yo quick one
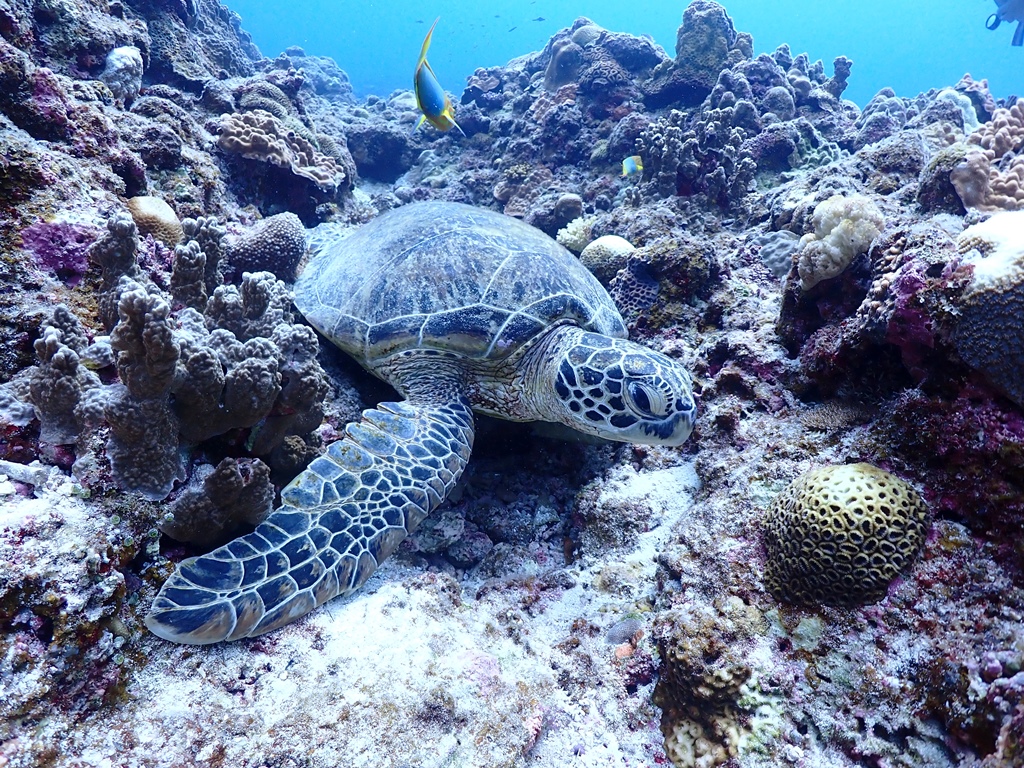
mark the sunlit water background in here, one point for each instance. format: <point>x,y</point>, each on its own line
<point>908,45</point>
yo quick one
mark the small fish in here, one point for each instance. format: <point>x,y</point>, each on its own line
<point>431,99</point>
<point>632,166</point>
<point>513,29</point>
<point>539,18</point>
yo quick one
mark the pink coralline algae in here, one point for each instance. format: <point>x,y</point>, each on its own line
<point>60,248</point>
<point>972,453</point>
<point>50,104</point>
<point>910,328</point>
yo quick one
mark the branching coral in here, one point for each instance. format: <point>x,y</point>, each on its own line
<point>576,234</point>
<point>702,156</point>
<point>114,253</point>
<point>208,232</point>
<point>188,284</point>
<point>57,386</point>
<point>181,383</point>
<point>661,146</point>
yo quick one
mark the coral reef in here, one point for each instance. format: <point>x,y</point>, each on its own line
<point>842,281</point>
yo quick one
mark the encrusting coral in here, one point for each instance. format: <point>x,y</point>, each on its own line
<point>258,135</point>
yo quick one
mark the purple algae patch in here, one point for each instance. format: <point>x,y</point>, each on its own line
<point>60,248</point>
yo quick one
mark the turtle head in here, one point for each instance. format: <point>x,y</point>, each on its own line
<point>618,390</point>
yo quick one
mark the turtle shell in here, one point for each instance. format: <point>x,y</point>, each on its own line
<point>448,277</point>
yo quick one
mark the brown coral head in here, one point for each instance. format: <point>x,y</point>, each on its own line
<point>564,67</point>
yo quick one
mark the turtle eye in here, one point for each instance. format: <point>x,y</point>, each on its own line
<point>645,401</point>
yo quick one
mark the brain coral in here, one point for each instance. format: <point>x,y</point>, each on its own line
<point>843,228</point>
<point>275,244</point>
<point>155,217</point>
<point>839,534</point>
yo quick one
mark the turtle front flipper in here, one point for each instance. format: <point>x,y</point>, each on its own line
<point>340,518</point>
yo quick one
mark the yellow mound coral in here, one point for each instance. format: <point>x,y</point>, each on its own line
<point>155,217</point>
<point>840,534</point>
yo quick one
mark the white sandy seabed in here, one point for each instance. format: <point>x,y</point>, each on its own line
<point>415,671</point>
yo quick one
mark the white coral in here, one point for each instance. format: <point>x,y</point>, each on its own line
<point>996,248</point>
<point>576,234</point>
<point>122,72</point>
<point>606,255</point>
<point>843,228</point>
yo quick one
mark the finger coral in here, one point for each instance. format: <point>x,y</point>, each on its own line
<point>991,175</point>
<point>57,386</point>
<point>181,383</point>
<point>218,500</point>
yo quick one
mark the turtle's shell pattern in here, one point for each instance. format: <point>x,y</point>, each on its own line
<point>448,277</point>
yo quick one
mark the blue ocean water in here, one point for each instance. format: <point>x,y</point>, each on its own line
<point>910,46</point>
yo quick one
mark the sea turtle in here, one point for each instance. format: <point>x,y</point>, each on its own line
<point>460,309</point>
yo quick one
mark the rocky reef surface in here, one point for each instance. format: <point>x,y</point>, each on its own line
<point>846,285</point>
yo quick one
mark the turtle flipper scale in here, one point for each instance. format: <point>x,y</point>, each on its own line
<point>339,519</point>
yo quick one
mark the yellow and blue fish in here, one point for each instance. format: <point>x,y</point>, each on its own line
<point>431,99</point>
<point>632,166</point>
